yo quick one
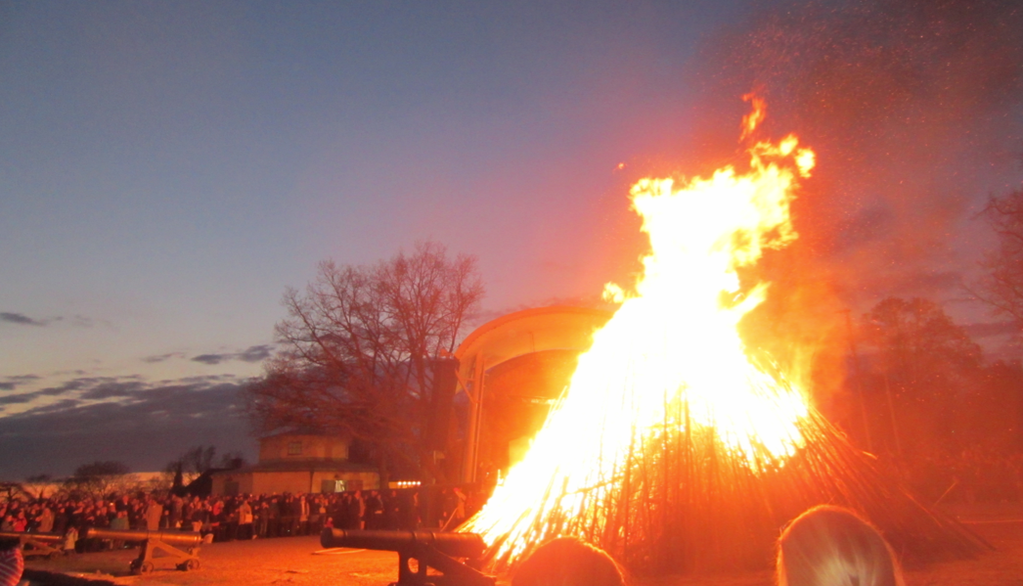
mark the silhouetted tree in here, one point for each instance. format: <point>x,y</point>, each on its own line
<point>923,367</point>
<point>1002,285</point>
<point>191,464</point>
<point>232,460</point>
<point>101,468</point>
<point>358,348</point>
<point>100,478</point>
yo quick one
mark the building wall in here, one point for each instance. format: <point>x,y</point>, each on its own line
<point>353,480</point>
<point>270,482</point>
<point>296,449</point>
<point>232,483</point>
<point>225,483</point>
<point>309,447</point>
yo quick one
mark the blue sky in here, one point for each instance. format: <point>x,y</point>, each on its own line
<point>167,169</point>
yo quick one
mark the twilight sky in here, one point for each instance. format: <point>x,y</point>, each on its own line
<point>167,169</point>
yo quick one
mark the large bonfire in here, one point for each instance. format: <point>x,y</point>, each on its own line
<point>671,448</point>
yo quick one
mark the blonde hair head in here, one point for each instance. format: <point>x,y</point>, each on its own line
<point>567,561</point>
<point>833,546</point>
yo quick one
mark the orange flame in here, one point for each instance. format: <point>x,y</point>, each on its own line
<point>751,121</point>
<point>672,343</point>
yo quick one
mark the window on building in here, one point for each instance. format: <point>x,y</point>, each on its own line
<point>294,448</point>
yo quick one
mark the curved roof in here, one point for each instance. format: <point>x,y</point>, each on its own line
<point>528,331</point>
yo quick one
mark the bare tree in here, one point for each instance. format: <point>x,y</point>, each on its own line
<point>1002,286</point>
<point>100,478</point>
<point>358,349</point>
<point>191,464</point>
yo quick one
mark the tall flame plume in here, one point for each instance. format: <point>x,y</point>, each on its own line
<point>667,387</point>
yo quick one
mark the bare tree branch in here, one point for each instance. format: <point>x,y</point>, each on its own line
<point>359,345</point>
<point>1002,286</point>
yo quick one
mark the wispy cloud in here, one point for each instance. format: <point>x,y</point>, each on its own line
<point>250,354</point>
<point>256,353</point>
<point>212,358</point>
<point>142,424</point>
<point>17,399</point>
<point>10,383</point>
<point>78,321</point>
<point>162,357</point>
<point>19,319</point>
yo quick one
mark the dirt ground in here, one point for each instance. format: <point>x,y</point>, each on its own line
<point>300,562</point>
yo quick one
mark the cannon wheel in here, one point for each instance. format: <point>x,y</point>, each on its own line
<point>187,565</point>
<point>147,567</point>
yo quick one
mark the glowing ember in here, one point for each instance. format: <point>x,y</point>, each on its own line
<point>669,369</point>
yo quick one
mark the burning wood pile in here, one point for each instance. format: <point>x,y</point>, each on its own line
<point>673,450</point>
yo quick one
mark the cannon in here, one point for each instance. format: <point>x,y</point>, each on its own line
<point>418,551</point>
<point>50,545</point>
<point>154,542</point>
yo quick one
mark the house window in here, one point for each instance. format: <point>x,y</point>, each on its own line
<point>332,486</point>
<point>294,448</point>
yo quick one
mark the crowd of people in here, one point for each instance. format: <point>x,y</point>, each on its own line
<point>225,518</point>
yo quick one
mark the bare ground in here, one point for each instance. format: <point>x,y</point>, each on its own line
<point>300,562</point>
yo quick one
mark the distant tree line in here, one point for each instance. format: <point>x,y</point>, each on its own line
<point>917,383</point>
<point>103,477</point>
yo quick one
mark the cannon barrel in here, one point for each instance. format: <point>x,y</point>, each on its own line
<point>460,545</point>
<point>40,537</point>
<point>169,537</point>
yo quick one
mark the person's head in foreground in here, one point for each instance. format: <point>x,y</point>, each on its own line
<point>833,546</point>
<point>566,561</point>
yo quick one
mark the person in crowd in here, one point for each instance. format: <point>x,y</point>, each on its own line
<point>391,513</point>
<point>175,512</point>
<point>20,522</point>
<point>374,511</point>
<point>302,514</point>
<point>262,514</point>
<point>317,514</point>
<point>245,519</point>
<point>833,546</point>
<point>356,509</point>
<point>154,514</point>
<point>44,522</point>
<point>274,518</point>
<point>458,513</point>
<point>287,515</point>
<point>567,561</point>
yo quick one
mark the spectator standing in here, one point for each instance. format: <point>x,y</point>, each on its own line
<point>374,511</point>
<point>154,513</point>
<point>262,514</point>
<point>174,518</point>
<point>245,518</point>
<point>287,515</point>
<point>302,507</point>
<point>45,519</point>
<point>274,518</point>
